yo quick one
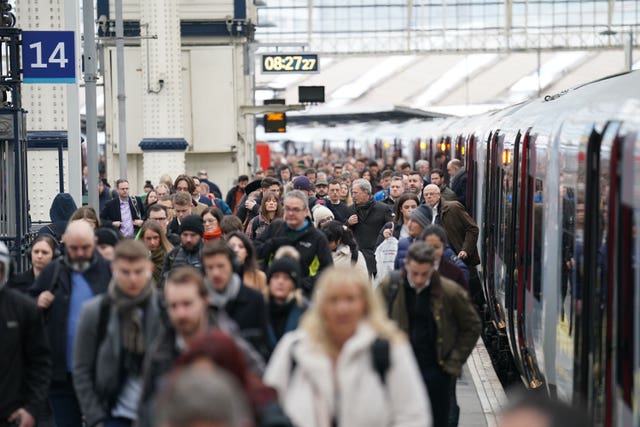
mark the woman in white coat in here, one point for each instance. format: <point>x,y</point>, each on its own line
<point>327,373</point>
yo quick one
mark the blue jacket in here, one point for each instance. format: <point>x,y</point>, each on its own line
<point>403,247</point>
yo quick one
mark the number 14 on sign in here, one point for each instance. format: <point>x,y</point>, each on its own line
<point>56,57</point>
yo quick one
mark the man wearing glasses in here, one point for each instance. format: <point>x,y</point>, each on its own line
<point>296,230</point>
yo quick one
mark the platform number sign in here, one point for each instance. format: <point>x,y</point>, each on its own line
<point>48,57</point>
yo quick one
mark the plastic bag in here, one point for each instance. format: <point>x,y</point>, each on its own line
<point>385,257</point>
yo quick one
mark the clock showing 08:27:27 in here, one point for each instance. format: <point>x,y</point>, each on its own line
<point>290,63</point>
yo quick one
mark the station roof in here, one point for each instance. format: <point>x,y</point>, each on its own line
<point>435,84</point>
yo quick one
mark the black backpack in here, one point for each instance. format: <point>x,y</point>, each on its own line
<point>380,355</point>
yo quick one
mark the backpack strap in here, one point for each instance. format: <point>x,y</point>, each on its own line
<point>381,357</point>
<point>392,291</point>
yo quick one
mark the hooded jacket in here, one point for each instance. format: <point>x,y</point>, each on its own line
<point>62,207</point>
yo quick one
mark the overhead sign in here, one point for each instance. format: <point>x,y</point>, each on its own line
<point>48,57</point>
<point>290,63</point>
<point>275,123</point>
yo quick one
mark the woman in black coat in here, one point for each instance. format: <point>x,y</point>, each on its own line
<point>43,249</point>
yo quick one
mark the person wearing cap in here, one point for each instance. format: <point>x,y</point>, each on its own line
<point>190,250</point>
<point>236,193</point>
<point>322,188</point>
<point>25,355</point>
<point>305,185</point>
<point>418,220</point>
<point>285,302</point>
<point>203,176</point>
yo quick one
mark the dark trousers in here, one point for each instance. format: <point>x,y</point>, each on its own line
<point>66,410</point>
<point>438,383</point>
<point>117,422</point>
<point>454,409</point>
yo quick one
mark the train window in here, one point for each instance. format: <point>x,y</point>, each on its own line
<point>538,246</point>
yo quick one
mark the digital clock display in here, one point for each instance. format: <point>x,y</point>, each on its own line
<point>290,63</point>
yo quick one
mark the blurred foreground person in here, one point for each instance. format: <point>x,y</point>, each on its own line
<point>25,356</point>
<point>539,411</point>
<point>199,397</point>
<point>347,365</point>
<point>114,333</point>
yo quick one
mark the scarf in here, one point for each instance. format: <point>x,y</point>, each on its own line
<point>131,315</point>
<point>210,236</point>
<point>157,257</point>
<point>229,293</point>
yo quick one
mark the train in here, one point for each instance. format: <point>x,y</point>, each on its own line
<point>554,185</point>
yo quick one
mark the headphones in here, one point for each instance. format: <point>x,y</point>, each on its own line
<point>51,240</point>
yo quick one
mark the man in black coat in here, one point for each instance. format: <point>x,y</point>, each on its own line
<point>227,292</point>
<point>366,219</point>
<point>62,287</point>
<point>126,213</point>
<point>25,355</point>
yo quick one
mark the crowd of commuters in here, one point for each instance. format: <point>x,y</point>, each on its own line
<point>265,308</point>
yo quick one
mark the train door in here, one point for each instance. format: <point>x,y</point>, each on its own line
<point>493,288</point>
<point>528,232</point>
<point>593,347</point>
<point>471,163</point>
<point>626,283</point>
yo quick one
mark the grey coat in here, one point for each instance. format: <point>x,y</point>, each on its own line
<point>96,365</point>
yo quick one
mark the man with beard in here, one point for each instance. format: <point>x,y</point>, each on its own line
<point>186,300</point>
<point>114,332</point>
<point>62,287</point>
<point>396,188</point>
<point>366,219</point>
<point>25,356</point>
<point>190,250</point>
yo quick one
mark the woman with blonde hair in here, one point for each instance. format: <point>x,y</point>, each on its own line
<point>347,364</point>
<point>154,238</point>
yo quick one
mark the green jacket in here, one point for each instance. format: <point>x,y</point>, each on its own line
<point>457,322</point>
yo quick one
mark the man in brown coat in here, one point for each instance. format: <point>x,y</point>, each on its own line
<point>439,319</point>
<point>462,231</point>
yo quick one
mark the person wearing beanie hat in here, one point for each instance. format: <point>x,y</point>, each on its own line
<point>285,302</point>
<point>419,219</point>
<point>302,183</point>
<point>26,354</point>
<point>190,250</point>
<point>106,241</point>
<point>321,214</point>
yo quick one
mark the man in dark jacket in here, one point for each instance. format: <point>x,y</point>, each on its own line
<point>25,355</point>
<point>461,229</point>
<point>114,333</point>
<point>298,231</point>
<point>186,299</point>
<point>439,319</point>
<point>338,207</point>
<point>126,213</point>
<point>227,292</point>
<point>190,250</point>
<point>458,182</point>
<point>62,287</point>
<point>367,217</point>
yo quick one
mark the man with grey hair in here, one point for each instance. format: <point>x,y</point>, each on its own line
<point>422,166</point>
<point>297,230</point>
<point>366,218</point>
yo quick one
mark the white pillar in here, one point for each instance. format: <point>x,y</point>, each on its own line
<point>162,97</point>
